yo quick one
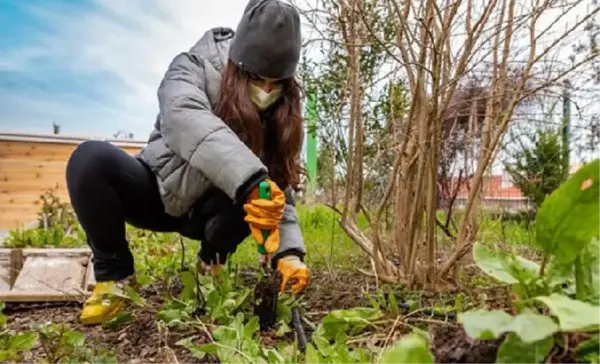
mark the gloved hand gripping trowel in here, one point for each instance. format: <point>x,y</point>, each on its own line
<point>267,289</point>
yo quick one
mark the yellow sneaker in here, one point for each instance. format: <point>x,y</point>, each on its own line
<point>104,304</point>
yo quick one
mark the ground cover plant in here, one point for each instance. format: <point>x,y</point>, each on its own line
<point>541,305</point>
<point>537,305</point>
<point>558,298</point>
<point>413,104</point>
<point>165,265</point>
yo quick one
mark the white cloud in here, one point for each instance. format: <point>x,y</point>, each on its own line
<point>133,41</point>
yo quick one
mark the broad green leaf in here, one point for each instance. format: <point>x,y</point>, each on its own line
<point>350,320</point>
<point>487,325</point>
<point>75,338</point>
<point>171,315</point>
<point>274,357</point>
<point>210,348</point>
<point>23,341</point>
<point>484,325</point>
<point>283,328</point>
<point>411,348</point>
<point>363,355</point>
<point>3,318</point>
<point>503,266</point>
<point>284,311</point>
<point>531,327</point>
<point>312,355</point>
<point>241,297</point>
<point>393,303</point>
<point>589,351</point>
<point>199,351</point>
<point>572,314</point>
<point>342,354</point>
<point>559,273</point>
<point>118,321</point>
<point>130,293</point>
<point>251,327</point>
<point>321,342</point>
<point>514,350</point>
<point>5,355</point>
<point>590,258</point>
<point>568,218</point>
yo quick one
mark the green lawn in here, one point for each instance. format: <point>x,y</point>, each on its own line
<point>327,246</point>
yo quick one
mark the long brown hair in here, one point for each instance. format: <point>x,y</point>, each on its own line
<point>281,141</point>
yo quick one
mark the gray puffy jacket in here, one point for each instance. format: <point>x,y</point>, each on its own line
<point>191,150</point>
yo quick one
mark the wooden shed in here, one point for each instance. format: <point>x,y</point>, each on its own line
<point>30,164</point>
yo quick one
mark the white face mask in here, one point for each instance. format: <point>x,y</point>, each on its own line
<point>263,99</point>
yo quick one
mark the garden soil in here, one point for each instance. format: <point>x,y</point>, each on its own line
<point>140,340</point>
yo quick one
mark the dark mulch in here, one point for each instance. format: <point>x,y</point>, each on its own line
<point>452,345</point>
<point>142,341</point>
<point>138,341</point>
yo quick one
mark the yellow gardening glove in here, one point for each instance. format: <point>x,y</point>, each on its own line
<point>265,215</point>
<point>295,272</point>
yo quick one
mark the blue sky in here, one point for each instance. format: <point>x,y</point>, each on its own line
<point>93,66</point>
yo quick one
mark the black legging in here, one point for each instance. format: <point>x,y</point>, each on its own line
<point>109,187</point>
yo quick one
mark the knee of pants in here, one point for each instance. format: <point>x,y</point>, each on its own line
<point>225,233</point>
<point>87,162</point>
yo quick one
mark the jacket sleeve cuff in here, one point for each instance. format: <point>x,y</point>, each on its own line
<point>291,240</point>
<point>300,254</point>
<point>244,191</point>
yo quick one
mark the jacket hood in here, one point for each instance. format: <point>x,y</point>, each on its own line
<point>213,46</point>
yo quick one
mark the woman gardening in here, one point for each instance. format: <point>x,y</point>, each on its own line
<point>229,118</point>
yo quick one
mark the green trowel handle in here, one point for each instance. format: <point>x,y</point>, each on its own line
<point>264,193</point>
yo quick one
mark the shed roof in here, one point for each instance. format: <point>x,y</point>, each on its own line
<point>66,139</point>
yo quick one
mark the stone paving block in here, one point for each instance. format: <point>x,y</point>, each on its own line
<point>51,275</point>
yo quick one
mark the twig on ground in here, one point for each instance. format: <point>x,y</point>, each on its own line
<point>429,321</point>
<point>389,336</point>
<point>316,313</point>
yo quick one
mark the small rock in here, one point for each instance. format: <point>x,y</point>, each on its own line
<point>147,352</point>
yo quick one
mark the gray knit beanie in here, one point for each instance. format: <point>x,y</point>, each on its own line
<point>267,41</point>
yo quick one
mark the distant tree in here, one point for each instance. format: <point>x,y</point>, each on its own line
<point>122,134</point>
<point>55,128</point>
<point>538,168</point>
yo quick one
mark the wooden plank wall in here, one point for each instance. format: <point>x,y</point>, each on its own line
<point>27,170</point>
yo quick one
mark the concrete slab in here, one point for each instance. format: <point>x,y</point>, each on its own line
<point>51,275</point>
